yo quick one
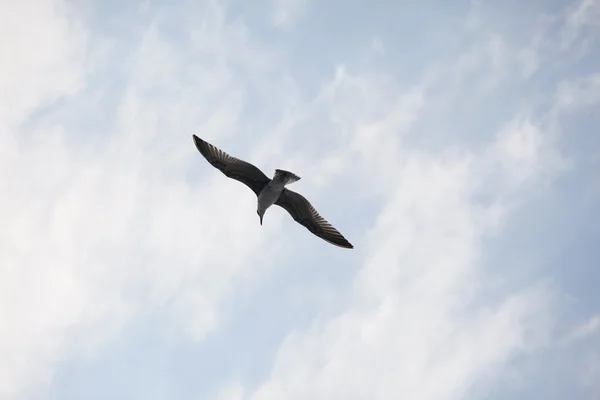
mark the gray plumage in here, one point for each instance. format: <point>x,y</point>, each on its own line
<point>272,191</point>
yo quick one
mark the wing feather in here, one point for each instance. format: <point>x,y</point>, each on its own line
<point>305,214</point>
<point>232,167</point>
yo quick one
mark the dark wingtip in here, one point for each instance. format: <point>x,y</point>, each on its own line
<point>197,140</point>
<point>341,243</point>
<point>200,144</point>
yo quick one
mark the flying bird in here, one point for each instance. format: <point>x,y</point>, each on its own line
<point>272,191</point>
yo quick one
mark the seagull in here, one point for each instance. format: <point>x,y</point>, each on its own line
<point>272,191</point>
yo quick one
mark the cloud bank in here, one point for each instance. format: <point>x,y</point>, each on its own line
<point>454,147</point>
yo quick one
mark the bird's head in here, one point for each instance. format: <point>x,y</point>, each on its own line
<point>260,215</point>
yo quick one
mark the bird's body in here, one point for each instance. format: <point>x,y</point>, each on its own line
<point>267,197</point>
<point>272,191</point>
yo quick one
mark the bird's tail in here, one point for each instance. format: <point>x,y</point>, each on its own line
<point>285,177</point>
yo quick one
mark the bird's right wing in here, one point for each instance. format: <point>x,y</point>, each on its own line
<point>305,214</point>
<point>232,167</point>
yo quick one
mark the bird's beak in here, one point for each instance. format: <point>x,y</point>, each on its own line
<point>260,219</point>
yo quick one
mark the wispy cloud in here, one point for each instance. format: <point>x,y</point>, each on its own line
<point>287,12</point>
<point>90,238</point>
<point>418,309</point>
<point>429,157</point>
<point>590,327</point>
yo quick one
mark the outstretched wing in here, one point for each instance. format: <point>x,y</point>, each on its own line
<point>232,167</point>
<point>305,214</point>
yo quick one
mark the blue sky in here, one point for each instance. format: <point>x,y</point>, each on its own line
<point>455,145</point>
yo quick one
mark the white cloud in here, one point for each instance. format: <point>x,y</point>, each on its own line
<point>287,12</point>
<point>98,231</point>
<point>585,15</point>
<point>578,93</point>
<point>413,320</point>
<point>233,392</point>
<point>43,60</point>
<point>418,313</point>
<point>589,328</point>
<point>521,143</point>
<point>524,149</point>
<point>419,323</point>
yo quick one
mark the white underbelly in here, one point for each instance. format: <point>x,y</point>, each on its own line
<point>268,196</point>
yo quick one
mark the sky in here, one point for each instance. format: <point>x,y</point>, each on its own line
<point>454,144</point>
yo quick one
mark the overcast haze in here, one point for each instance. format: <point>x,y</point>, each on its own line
<point>454,144</point>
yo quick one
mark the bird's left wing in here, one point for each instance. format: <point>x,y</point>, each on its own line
<point>232,167</point>
<point>305,214</point>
